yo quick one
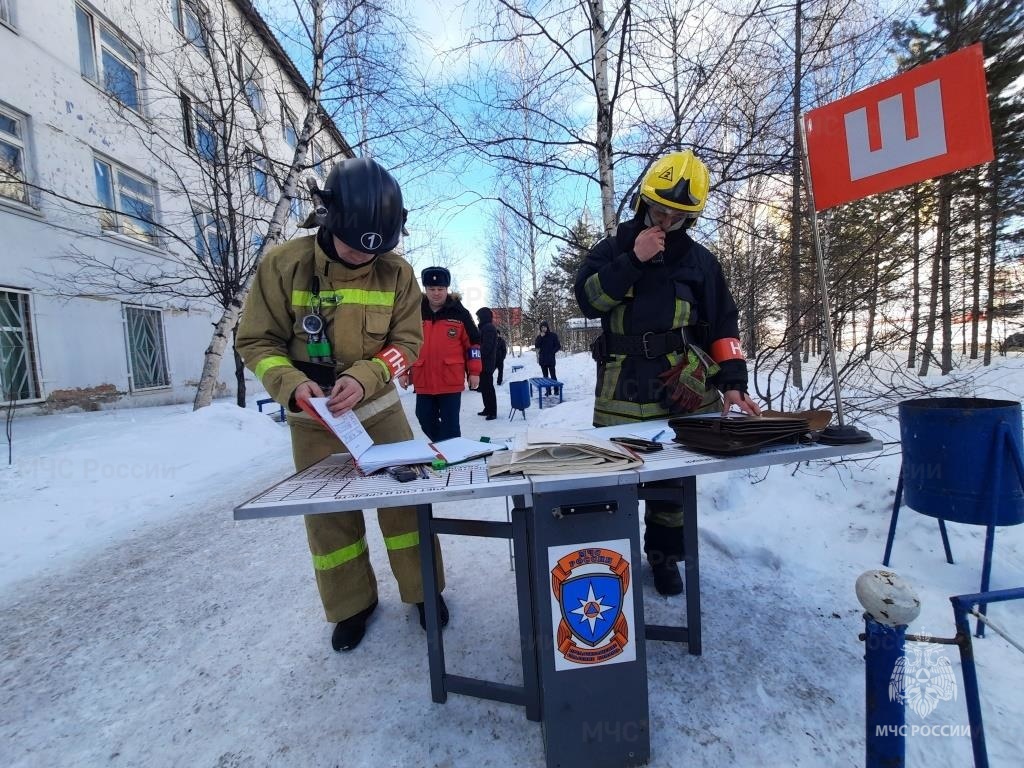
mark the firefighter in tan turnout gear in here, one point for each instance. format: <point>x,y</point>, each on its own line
<point>338,314</point>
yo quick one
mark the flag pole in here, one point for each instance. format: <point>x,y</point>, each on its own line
<point>841,433</point>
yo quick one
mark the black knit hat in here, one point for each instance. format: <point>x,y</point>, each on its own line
<point>432,277</point>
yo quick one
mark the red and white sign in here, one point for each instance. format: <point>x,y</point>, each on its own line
<point>925,123</point>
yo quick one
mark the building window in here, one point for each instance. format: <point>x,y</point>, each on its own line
<point>17,360</point>
<point>210,243</point>
<point>295,208</point>
<point>147,352</point>
<point>288,127</point>
<point>13,184</point>
<point>7,13</point>
<point>188,18</point>
<point>319,161</point>
<point>250,78</point>
<point>107,59</point>
<point>129,199</point>
<point>199,128</point>
<point>260,175</point>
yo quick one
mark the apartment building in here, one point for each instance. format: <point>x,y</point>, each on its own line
<point>140,141</point>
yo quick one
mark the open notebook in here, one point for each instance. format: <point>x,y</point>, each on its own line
<point>368,456</point>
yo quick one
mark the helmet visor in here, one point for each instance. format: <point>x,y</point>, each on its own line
<point>669,219</point>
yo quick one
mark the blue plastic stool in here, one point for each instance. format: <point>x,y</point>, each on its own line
<point>519,392</point>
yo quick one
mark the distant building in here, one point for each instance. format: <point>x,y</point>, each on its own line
<point>104,114</point>
<point>508,317</point>
<point>579,323</point>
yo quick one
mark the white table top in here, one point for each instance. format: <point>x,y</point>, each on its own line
<point>335,485</point>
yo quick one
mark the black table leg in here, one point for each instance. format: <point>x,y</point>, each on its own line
<point>524,591</point>
<point>692,567</point>
<point>428,566</point>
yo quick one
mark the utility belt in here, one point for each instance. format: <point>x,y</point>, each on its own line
<point>684,386</point>
<point>649,345</point>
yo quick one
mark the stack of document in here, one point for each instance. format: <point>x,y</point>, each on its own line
<point>561,452</point>
<point>367,456</point>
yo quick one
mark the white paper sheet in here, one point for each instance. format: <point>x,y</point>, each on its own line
<point>457,449</point>
<point>347,427</point>
<point>368,456</point>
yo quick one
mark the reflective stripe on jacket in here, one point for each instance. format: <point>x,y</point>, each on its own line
<point>365,309</point>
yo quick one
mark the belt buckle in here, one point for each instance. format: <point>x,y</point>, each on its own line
<point>644,347</point>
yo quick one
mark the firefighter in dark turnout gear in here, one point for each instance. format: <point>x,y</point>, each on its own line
<point>669,342</point>
<point>338,314</point>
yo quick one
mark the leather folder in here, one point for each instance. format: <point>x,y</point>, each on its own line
<point>736,435</point>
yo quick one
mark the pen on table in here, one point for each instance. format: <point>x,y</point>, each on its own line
<point>655,438</point>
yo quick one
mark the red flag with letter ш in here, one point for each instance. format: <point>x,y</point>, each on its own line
<point>924,123</point>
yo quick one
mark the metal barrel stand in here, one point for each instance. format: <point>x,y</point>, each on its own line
<point>962,461</point>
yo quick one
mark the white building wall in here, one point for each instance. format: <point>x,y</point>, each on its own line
<point>79,342</point>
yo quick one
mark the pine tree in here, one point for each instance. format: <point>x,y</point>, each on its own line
<point>947,26</point>
<point>581,237</point>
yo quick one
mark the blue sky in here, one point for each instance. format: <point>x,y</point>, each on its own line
<point>454,231</point>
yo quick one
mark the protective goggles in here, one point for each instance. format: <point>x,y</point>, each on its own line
<point>665,213</point>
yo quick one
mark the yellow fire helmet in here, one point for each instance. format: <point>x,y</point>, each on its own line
<point>678,181</point>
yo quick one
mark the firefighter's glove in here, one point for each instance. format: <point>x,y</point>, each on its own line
<point>684,385</point>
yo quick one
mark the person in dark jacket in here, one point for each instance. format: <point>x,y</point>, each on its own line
<point>488,349</point>
<point>670,332</point>
<point>547,344</point>
<point>500,351</point>
<point>449,357</point>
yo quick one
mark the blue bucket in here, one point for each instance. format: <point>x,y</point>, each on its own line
<point>519,393</point>
<point>951,446</point>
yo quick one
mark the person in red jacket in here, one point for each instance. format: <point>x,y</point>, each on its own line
<point>450,355</point>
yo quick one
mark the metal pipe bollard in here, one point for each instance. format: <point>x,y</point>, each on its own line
<point>890,604</point>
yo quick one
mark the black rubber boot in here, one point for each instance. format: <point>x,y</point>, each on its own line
<point>664,548</point>
<point>349,632</point>
<point>666,575</point>
<point>443,611</point>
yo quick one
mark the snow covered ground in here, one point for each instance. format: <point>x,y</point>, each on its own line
<point>142,626</point>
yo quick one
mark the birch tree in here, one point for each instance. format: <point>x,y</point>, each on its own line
<point>224,328</point>
<point>943,27</point>
<point>575,54</point>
